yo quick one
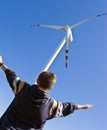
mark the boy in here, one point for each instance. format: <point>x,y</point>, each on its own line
<point>32,106</point>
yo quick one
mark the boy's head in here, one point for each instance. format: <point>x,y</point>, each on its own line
<point>46,79</point>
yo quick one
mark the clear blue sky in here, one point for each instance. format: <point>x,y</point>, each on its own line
<point>26,49</point>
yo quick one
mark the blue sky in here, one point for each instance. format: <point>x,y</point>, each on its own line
<point>26,49</point>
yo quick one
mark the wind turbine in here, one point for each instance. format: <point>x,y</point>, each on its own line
<point>68,29</point>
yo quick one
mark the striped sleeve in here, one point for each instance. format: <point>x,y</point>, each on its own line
<point>14,81</point>
<point>64,109</point>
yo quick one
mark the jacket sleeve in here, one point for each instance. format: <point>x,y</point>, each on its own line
<point>64,109</point>
<point>14,81</point>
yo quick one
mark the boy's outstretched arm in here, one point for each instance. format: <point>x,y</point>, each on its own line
<point>63,109</point>
<point>14,81</point>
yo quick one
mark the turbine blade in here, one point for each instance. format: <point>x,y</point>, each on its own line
<point>66,57</point>
<point>50,26</point>
<point>86,20</point>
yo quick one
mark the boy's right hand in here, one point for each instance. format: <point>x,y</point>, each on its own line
<point>1,61</point>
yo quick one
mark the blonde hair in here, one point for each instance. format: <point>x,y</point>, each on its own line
<point>46,79</point>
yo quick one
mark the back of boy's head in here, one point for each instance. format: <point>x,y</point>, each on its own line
<point>46,79</point>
